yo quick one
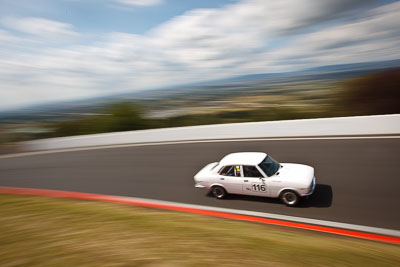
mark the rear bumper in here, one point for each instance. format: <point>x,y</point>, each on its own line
<point>199,186</point>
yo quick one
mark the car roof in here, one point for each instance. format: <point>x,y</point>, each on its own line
<point>243,158</point>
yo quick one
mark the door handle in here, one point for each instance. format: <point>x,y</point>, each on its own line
<point>222,178</point>
<point>246,180</point>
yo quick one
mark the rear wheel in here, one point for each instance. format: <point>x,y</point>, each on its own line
<point>219,192</point>
<point>290,198</point>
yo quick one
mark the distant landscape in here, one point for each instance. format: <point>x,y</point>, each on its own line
<point>331,91</point>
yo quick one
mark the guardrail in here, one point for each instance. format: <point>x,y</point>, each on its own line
<point>346,126</point>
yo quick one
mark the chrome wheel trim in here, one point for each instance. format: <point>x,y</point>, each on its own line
<point>218,192</point>
<point>289,197</point>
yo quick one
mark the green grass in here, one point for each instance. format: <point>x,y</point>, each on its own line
<point>40,231</point>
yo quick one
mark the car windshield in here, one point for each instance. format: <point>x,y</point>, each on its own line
<point>269,166</point>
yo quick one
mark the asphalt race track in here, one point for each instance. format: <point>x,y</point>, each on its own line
<point>358,179</point>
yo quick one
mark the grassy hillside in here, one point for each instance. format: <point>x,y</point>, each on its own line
<point>39,231</point>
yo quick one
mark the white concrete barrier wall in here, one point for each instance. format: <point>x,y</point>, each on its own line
<point>363,125</point>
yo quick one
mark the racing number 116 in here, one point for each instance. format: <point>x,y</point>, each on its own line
<point>258,187</point>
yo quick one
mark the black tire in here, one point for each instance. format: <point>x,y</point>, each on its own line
<point>219,192</point>
<point>290,198</point>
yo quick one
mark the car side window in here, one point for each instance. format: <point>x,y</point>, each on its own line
<point>227,171</point>
<point>251,171</point>
<point>230,171</point>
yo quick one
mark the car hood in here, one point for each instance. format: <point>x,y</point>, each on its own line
<point>296,172</point>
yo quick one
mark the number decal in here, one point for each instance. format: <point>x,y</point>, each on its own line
<point>258,188</point>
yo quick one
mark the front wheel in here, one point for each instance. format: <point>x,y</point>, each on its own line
<point>219,192</point>
<point>290,198</point>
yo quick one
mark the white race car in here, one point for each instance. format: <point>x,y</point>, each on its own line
<point>257,174</point>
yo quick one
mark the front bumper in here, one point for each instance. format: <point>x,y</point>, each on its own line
<point>313,185</point>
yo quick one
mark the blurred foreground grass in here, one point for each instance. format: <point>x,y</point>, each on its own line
<point>39,231</point>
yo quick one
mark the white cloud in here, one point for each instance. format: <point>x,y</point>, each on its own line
<point>6,37</point>
<point>205,44</point>
<point>206,38</point>
<point>140,2</point>
<point>39,27</point>
<point>373,37</point>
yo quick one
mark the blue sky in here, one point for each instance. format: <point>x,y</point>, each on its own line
<point>102,16</point>
<point>55,50</point>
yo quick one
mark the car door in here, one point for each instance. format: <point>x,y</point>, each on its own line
<point>254,183</point>
<point>230,177</point>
